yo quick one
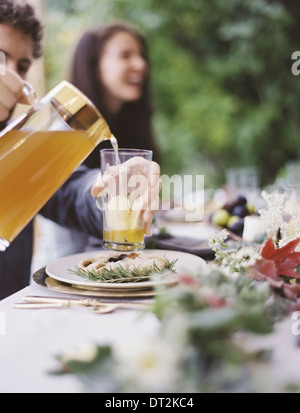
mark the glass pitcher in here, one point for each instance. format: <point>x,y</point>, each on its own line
<point>40,150</point>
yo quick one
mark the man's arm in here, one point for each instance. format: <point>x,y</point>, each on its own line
<point>73,206</point>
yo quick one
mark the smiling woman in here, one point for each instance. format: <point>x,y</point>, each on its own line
<point>111,67</point>
<point>122,71</point>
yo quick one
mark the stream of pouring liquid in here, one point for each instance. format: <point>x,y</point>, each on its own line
<point>114,144</point>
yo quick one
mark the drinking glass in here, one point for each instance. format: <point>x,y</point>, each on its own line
<point>122,201</point>
<point>242,180</point>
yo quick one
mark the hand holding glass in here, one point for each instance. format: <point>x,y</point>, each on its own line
<point>128,194</point>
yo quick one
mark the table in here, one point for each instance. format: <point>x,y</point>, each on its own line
<point>33,338</point>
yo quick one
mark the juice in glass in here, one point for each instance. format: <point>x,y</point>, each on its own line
<point>123,225</point>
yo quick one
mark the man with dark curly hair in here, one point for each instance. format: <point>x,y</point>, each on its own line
<point>22,17</point>
<point>21,34</point>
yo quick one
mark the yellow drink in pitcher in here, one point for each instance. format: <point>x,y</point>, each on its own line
<point>32,168</point>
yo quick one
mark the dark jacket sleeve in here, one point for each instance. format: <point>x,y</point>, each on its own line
<point>73,206</point>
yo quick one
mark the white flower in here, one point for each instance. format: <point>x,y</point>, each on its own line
<point>292,229</point>
<point>216,240</point>
<point>247,256</point>
<point>274,219</point>
<point>85,353</point>
<point>149,365</point>
<point>273,216</point>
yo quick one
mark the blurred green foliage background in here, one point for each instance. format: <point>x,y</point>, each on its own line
<point>223,89</point>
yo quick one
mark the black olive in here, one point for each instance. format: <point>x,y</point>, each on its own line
<point>119,258</point>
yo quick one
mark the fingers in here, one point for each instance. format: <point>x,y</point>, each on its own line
<point>28,96</point>
<point>104,181</point>
<point>118,178</point>
<point>148,218</point>
<point>154,169</point>
<point>11,92</point>
<point>138,164</point>
<point>151,195</point>
<point>98,186</point>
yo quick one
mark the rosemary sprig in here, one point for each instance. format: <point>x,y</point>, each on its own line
<point>120,275</point>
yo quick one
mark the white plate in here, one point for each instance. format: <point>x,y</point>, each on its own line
<point>60,269</point>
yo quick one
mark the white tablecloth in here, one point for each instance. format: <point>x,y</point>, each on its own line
<point>30,339</point>
<point>34,337</point>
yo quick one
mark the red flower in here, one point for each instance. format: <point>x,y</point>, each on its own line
<point>285,258</point>
<point>276,262</point>
<point>215,301</point>
<point>186,279</point>
<point>264,269</point>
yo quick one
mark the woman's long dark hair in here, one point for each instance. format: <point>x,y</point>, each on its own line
<point>132,126</point>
